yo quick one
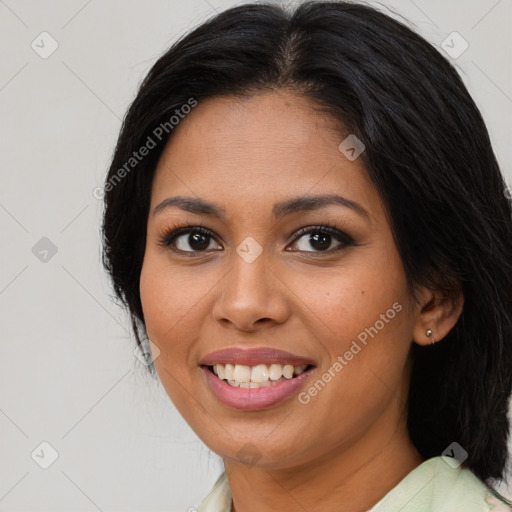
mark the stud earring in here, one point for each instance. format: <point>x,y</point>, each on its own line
<point>429,333</point>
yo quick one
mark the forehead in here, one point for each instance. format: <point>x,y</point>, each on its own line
<point>262,148</point>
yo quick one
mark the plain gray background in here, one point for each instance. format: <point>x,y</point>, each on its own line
<point>68,372</point>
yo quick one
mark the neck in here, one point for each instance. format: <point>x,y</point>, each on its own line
<point>353,477</point>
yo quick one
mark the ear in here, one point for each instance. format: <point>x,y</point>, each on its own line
<point>439,312</point>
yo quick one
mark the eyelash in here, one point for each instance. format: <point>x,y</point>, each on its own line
<point>173,232</point>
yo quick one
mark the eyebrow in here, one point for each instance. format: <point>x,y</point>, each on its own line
<point>279,210</point>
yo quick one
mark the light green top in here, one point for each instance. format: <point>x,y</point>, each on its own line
<point>433,486</point>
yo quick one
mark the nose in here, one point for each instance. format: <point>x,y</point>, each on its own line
<point>251,295</point>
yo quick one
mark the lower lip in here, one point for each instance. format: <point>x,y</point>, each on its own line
<point>254,398</point>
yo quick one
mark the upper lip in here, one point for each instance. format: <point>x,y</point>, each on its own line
<point>254,356</point>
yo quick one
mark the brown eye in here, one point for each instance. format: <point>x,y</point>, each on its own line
<point>321,239</point>
<point>197,239</point>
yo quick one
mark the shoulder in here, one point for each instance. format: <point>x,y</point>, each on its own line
<point>438,485</point>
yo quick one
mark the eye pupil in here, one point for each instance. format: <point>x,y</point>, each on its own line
<point>314,239</point>
<point>198,241</point>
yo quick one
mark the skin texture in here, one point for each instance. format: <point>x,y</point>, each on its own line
<point>349,445</point>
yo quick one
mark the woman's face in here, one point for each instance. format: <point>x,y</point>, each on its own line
<point>336,302</point>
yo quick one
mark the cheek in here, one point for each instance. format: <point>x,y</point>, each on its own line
<point>360,318</point>
<point>359,313</point>
<point>169,305</point>
<point>175,302</point>
<point>163,305</point>
<point>169,294</point>
<point>348,300</point>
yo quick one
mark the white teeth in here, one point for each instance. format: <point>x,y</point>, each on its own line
<point>288,371</point>
<point>276,371</point>
<point>258,376</point>
<point>259,373</point>
<point>242,373</point>
<point>219,370</point>
<point>228,371</point>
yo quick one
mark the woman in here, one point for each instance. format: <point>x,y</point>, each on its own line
<point>305,216</point>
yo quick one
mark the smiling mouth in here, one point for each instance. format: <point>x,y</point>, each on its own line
<point>258,376</point>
